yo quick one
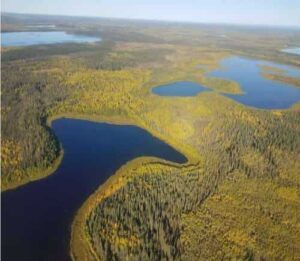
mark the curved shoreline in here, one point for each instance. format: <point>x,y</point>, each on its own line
<point>80,247</point>
<point>116,181</point>
<point>36,174</point>
<point>80,244</point>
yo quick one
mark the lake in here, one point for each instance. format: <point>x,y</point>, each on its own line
<point>295,50</point>
<point>35,38</point>
<point>284,69</point>
<point>182,89</point>
<point>36,217</point>
<point>258,92</point>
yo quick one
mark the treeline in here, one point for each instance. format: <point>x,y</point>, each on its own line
<point>42,51</point>
<point>253,214</point>
<point>125,59</point>
<point>95,79</point>
<point>102,92</point>
<point>141,221</point>
<point>25,136</point>
<point>245,136</point>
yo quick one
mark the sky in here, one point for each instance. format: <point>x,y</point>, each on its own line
<point>252,12</point>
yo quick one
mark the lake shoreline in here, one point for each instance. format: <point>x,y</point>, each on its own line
<point>77,225</point>
<point>165,156</point>
<point>31,38</point>
<point>118,120</point>
<point>80,246</point>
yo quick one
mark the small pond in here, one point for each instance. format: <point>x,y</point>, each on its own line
<point>182,89</point>
<point>35,38</point>
<point>36,217</point>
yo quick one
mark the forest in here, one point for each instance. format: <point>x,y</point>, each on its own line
<point>237,197</point>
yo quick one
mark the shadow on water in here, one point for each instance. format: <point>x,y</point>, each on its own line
<point>36,217</point>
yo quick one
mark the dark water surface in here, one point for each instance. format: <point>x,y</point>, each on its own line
<point>34,38</point>
<point>36,217</point>
<point>182,89</point>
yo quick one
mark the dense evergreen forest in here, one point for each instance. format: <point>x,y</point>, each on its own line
<point>237,198</point>
<point>142,219</point>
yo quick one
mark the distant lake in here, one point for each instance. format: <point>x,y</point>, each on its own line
<point>37,217</point>
<point>259,92</point>
<point>35,38</point>
<point>295,50</point>
<point>48,26</point>
<point>182,89</point>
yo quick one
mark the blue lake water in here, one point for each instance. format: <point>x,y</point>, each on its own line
<point>295,50</point>
<point>182,89</point>
<point>258,91</point>
<point>35,38</point>
<point>36,217</point>
<point>286,69</point>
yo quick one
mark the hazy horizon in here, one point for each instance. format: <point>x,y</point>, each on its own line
<point>268,13</point>
<point>296,27</point>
